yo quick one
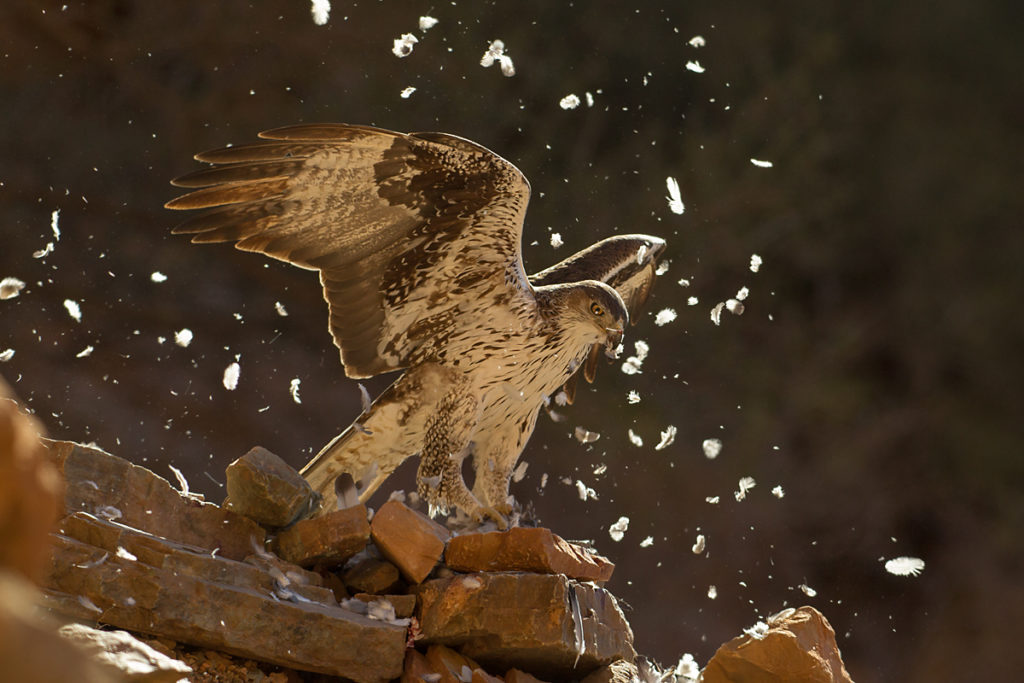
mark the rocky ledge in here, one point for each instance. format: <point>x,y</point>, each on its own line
<point>243,591</point>
<point>339,594</point>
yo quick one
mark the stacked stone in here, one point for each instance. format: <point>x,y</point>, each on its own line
<point>266,592</point>
<point>340,594</point>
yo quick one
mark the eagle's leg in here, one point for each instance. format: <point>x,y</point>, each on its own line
<point>491,484</point>
<point>495,456</point>
<point>439,477</point>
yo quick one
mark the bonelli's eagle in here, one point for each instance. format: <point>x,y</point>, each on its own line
<point>417,240</point>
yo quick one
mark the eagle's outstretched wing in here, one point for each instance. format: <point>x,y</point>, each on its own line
<point>408,231</point>
<point>625,262</point>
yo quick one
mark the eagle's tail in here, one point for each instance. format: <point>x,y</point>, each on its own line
<point>345,454</point>
<point>368,451</point>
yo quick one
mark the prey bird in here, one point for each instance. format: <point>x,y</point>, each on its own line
<point>417,241</point>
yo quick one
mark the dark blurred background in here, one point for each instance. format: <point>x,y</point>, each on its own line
<point>875,375</point>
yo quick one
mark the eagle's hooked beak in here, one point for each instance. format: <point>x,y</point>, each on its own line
<point>614,341</point>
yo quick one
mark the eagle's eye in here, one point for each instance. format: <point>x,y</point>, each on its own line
<point>596,308</point>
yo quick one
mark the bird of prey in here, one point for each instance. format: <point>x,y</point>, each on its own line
<point>417,241</point>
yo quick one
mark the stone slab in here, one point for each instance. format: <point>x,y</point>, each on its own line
<point>217,603</point>
<point>110,487</point>
<point>371,576</point>
<point>527,621</point>
<point>410,540</point>
<point>526,550</point>
<point>329,540</point>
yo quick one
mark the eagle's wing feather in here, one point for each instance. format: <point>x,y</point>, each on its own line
<point>626,263</point>
<point>407,230</point>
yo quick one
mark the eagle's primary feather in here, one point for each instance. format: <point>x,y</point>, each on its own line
<point>417,240</point>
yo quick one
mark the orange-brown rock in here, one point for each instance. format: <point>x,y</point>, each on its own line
<point>264,488</point>
<point>526,621</point>
<point>30,492</point>
<point>526,550</point>
<point>799,646</point>
<point>404,605</point>
<point>328,540</point>
<point>481,676</point>
<point>517,676</point>
<point>286,573</point>
<point>334,582</point>
<point>416,669</point>
<point>124,577</point>
<point>453,667</point>
<point>110,487</point>
<point>31,649</point>
<point>443,665</point>
<point>408,539</point>
<point>371,576</point>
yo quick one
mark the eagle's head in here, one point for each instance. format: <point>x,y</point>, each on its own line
<point>590,311</point>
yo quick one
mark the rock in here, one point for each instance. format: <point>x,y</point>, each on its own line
<point>264,488</point>
<point>443,665</point>
<point>122,651</point>
<point>517,676</point>
<point>408,539</point>
<point>404,605</point>
<point>31,650</point>
<point>416,669</point>
<point>334,582</point>
<point>481,676</point>
<point>30,492</point>
<point>526,550</point>
<point>453,667</point>
<point>328,540</point>
<point>113,488</point>
<point>798,645</point>
<point>285,572</point>
<point>262,574</point>
<point>124,577</point>
<point>164,646</point>
<point>371,576</point>
<point>526,621</point>
<point>616,672</point>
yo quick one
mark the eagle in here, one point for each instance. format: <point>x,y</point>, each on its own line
<point>417,241</point>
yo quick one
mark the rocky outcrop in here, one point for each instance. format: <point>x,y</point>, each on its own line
<point>368,600</point>
<point>124,577</point>
<point>794,645</point>
<point>112,488</point>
